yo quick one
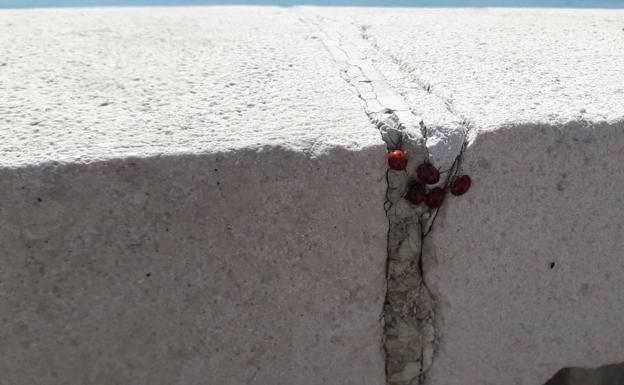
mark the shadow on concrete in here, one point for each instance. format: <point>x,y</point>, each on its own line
<point>604,375</point>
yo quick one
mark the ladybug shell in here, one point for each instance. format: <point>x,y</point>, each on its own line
<point>461,185</point>
<point>397,160</point>
<point>434,198</point>
<point>416,194</point>
<point>427,173</point>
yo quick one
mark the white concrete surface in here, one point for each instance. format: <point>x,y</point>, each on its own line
<point>192,195</point>
<point>187,196</point>
<point>89,84</point>
<point>524,268</point>
<point>542,96</point>
<point>504,67</point>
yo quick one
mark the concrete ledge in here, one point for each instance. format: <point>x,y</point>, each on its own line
<point>520,270</point>
<point>188,195</point>
<point>200,195</point>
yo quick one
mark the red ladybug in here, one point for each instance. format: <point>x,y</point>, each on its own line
<point>428,173</point>
<point>397,160</point>
<point>435,198</point>
<point>460,185</point>
<point>416,194</point>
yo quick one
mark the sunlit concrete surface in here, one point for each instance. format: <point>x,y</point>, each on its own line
<point>524,267</point>
<point>188,196</point>
<point>196,195</point>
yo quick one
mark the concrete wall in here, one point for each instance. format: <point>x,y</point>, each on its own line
<point>200,196</point>
<point>187,196</point>
<point>524,268</point>
<point>219,269</point>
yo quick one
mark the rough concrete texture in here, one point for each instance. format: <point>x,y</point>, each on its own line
<point>502,67</point>
<point>196,195</point>
<point>91,84</point>
<point>522,268</point>
<point>140,271</point>
<point>187,196</point>
<point>541,293</point>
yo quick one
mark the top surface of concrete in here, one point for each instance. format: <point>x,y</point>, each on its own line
<point>507,66</point>
<point>91,84</point>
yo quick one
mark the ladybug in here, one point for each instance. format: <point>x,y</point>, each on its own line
<point>460,185</point>
<point>428,173</point>
<point>416,194</point>
<point>434,198</point>
<point>397,160</point>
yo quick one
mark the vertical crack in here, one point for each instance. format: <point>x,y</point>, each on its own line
<point>409,312</point>
<point>409,309</point>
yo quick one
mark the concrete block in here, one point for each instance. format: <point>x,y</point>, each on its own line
<point>200,195</point>
<point>219,268</point>
<point>541,293</point>
<point>522,269</point>
<point>187,196</point>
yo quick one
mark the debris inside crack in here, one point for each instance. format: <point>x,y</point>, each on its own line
<point>414,195</point>
<point>409,309</point>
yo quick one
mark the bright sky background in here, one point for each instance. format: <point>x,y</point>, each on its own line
<point>406,3</point>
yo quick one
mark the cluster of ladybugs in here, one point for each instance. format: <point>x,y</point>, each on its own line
<point>417,192</point>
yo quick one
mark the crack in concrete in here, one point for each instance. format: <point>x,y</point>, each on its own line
<point>409,70</point>
<point>409,312</point>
